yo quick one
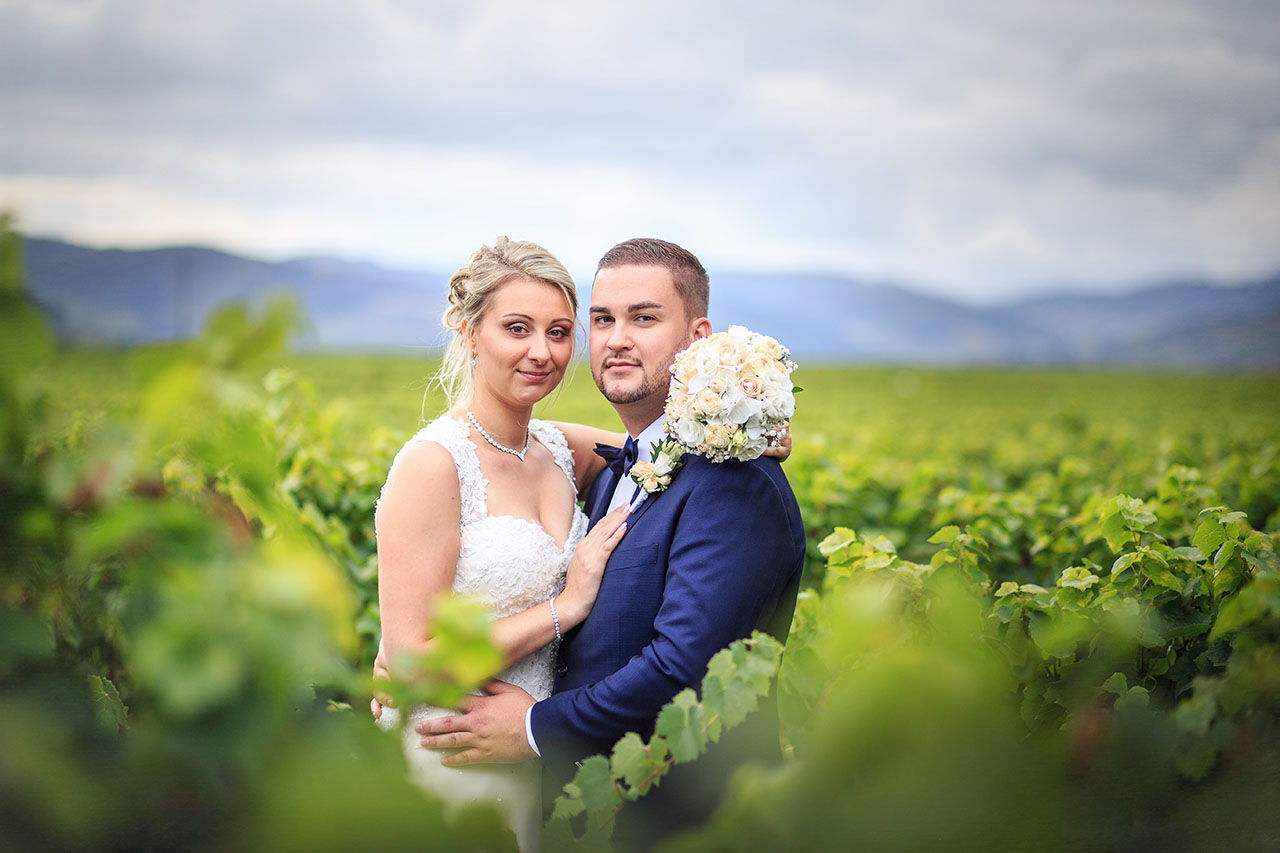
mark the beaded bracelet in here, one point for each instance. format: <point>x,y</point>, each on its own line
<point>551,602</point>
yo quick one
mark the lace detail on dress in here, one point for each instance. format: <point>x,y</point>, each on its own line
<point>513,563</point>
<point>553,439</point>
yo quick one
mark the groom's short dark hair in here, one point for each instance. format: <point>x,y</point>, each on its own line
<point>687,273</point>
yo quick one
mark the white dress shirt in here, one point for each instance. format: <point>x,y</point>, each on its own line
<point>624,492</point>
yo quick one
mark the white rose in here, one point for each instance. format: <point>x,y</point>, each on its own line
<point>778,405</point>
<point>689,432</point>
<point>706,362</point>
<point>775,378</point>
<point>753,448</point>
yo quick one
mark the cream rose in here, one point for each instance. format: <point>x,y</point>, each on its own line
<point>729,354</point>
<point>719,436</point>
<point>706,404</point>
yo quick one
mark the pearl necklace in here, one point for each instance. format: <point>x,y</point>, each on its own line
<point>519,454</point>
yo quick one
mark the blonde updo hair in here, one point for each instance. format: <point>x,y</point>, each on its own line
<point>470,292</point>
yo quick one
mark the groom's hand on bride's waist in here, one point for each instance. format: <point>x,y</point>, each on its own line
<point>491,731</point>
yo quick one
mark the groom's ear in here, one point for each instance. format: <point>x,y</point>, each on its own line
<point>701,327</point>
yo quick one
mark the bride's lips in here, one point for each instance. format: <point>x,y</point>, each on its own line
<point>535,375</point>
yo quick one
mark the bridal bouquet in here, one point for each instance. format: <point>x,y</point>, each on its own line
<point>731,395</point>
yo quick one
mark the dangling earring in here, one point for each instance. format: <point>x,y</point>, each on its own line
<point>473,359</point>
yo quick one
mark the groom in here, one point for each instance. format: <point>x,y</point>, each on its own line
<point>702,564</point>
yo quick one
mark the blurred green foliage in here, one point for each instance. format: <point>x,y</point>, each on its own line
<point>1042,607</point>
<point>175,639</point>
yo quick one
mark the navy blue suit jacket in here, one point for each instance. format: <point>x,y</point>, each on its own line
<point>704,563</point>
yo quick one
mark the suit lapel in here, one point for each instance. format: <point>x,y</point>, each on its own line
<point>603,495</point>
<point>642,509</point>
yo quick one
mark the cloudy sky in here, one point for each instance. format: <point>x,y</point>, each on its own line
<point>976,148</point>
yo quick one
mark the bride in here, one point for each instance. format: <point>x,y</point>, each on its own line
<point>483,501</point>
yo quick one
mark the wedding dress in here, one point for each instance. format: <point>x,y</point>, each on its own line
<point>515,564</point>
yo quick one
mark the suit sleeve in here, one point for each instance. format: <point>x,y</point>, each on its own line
<point>733,554</point>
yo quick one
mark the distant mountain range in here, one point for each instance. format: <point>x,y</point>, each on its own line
<point>115,296</point>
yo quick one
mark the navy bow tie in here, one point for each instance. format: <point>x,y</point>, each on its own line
<point>621,459</point>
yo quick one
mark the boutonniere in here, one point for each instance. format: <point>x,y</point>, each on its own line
<point>655,475</point>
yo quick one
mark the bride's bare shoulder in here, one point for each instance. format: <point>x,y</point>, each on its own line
<point>422,478</point>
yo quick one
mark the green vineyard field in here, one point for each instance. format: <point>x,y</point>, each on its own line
<point>1042,608</point>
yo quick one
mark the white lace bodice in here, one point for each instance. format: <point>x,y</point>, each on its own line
<point>512,562</point>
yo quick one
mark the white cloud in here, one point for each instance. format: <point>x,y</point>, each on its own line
<point>978,149</point>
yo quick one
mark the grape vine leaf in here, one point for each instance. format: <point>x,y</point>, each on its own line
<point>682,725</point>
<point>598,792</point>
<point>639,765</point>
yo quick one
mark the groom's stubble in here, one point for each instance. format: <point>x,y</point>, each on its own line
<point>653,382</point>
